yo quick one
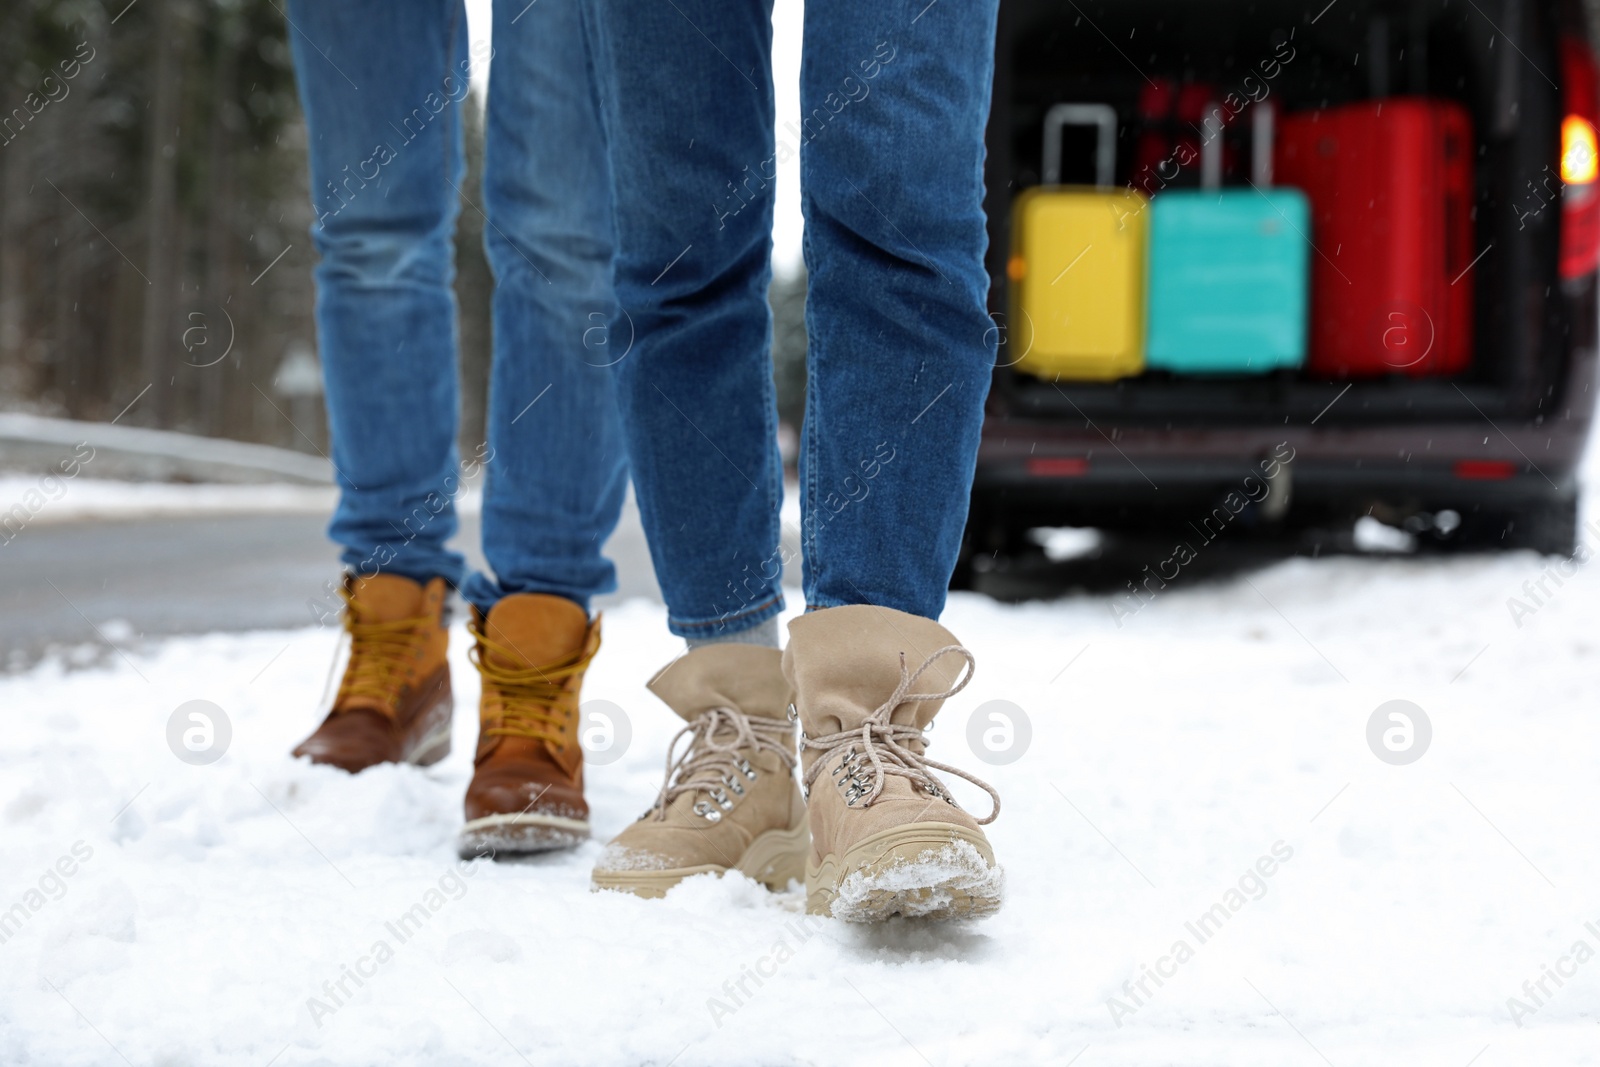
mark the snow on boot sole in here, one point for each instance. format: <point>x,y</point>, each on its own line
<point>926,870</point>
<point>531,832</point>
<point>774,859</point>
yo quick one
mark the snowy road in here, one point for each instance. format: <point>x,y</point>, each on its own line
<point>1207,862</point>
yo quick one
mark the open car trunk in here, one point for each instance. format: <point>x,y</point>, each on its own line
<point>1498,438</point>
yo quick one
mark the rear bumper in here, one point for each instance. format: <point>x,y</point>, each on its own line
<point>1042,472</point>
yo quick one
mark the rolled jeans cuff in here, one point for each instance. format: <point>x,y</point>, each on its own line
<point>747,617</point>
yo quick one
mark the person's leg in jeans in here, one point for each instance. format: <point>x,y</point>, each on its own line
<point>688,140</point>
<point>555,474</point>
<point>895,103</point>
<point>385,154</point>
<point>558,473</point>
<point>381,83</point>
<point>899,341</point>
<point>690,133</point>
<point>900,354</point>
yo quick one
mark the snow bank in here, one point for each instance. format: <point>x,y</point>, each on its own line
<point>82,499</point>
<point>38,443</point>
<point>1205,862</point>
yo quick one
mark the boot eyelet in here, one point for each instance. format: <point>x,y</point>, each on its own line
<point>707,812</point>
<point>733,783</point>
<point>721,798</point>
<point>794,715</point>
<point>745,768</point>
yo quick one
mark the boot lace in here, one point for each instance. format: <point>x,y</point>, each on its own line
<point>534,701</point>
<point>888,746</point>
<point>717,757</point>
<point>381,656</point>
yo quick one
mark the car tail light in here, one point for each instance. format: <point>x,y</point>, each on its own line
<point>1578,165</point>
<point>1580,161</point>
<point>1485,470</point>
<point>1058,466</point>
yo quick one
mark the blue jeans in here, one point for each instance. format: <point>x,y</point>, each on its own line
<point>895,97</point>
<point>382,84</point>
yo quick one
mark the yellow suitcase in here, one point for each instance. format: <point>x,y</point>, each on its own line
<point>1077,268</point>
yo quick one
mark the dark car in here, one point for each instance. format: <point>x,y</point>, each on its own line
<point>1486,456</point>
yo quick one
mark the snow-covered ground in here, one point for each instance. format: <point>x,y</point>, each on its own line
<point>1221,728</point>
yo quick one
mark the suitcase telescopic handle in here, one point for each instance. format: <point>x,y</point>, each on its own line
<point>1211,147</point>
<point>1261,132</point>
<point>1103,117</point>
<point>1262,129</point>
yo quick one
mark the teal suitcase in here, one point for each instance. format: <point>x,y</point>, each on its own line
<point>1229,269</point>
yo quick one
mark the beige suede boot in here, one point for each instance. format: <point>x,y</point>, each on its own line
<point>729,801</point>
<point>886,836</point>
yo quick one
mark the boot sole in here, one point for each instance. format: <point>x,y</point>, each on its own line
<point>519,834</point>
<point>774,858</point>
<point>923,870</point>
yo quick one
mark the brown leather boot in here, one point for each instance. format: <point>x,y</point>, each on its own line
<point>394,702</point>
<point>526,794</point>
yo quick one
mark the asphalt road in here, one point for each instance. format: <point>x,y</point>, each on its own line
<point>82,587</point>
<point>89,589</point>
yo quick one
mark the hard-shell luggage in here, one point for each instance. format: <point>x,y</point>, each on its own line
<point>1229,268</point>
<point>1167,126</point>
<point>1391,189</point>
<point>1077,264</point>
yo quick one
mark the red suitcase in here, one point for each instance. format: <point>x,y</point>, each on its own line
<point>1391,192</point>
